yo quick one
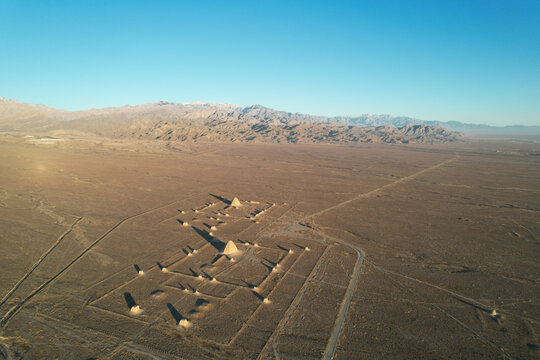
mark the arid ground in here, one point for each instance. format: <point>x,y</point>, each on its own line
<point>115,249</point>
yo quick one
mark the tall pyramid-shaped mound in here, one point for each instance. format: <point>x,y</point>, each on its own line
<point>236,203</point>
<point>230,248</point>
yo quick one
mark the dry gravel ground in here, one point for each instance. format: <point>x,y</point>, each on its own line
<point>441,235</point>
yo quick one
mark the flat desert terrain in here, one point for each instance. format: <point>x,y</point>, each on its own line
<point>123,249</point>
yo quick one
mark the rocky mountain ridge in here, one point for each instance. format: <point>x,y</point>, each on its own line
<point>218,123</point>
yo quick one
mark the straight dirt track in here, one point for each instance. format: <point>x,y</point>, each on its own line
<point>332,343</point>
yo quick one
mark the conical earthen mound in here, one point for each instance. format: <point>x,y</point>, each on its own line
<point>230,248</point>
<point>236,203</point>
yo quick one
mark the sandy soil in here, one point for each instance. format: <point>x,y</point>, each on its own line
<point>114,249</point>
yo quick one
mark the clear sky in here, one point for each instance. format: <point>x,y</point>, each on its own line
<point>470,61</point>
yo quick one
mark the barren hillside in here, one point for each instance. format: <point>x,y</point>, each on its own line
<point>210,122</point>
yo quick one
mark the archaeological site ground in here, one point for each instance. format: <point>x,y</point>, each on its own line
<point>138,249</point>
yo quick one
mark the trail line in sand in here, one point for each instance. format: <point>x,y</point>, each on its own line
<point>332,343</point>
<point>40,260</point>
<point>20,304</point>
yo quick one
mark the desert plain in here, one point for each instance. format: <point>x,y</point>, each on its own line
<point>119,249</point>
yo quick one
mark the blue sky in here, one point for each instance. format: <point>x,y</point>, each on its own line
<point>471,61</point>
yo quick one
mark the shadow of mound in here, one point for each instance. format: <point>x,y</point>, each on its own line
<point>157,292</point>
<point>226,201</point>
<point>257,295</point>
<point>218,244</point>
<point>201,302</point>
<point>175,314</point>
<point>129,300</point>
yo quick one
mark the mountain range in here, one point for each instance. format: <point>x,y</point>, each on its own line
<point>198,121</point>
